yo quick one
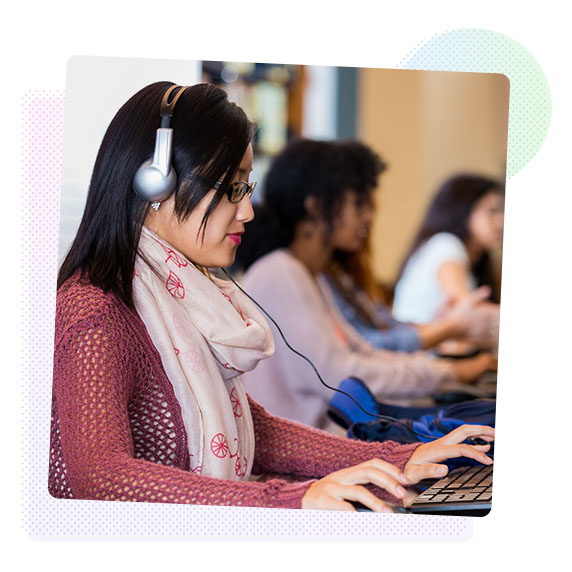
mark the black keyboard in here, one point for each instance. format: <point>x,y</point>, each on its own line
<point>466,491</point>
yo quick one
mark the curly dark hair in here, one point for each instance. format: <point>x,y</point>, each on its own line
<point>324,170</point>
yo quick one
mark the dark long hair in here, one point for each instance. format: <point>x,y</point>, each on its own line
<point>211,135</point>
<point>361,167</point>
<point>450,211</point>
<point>305,168</point>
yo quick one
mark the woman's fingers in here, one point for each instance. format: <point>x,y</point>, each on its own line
<point>454,451</point>
<point>416,473</point>
<point>472,299</point>
<point>333,491</point>
<point>427,457</point>
<point>467,451</point>
<point>376,472</point>
<point>464,432</point>
<point>469,370</point>
<point>371,469</point>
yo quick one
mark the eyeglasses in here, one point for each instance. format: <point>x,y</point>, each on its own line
<point>235,192</point>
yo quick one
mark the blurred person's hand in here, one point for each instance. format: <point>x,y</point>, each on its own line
<point>469,370</point>
<point>474,320</point>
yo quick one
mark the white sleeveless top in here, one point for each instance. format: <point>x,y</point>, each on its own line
<point>418,293</point>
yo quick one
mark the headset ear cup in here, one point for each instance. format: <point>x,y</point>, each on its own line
<point>151,184</point>
<point>156,179</point>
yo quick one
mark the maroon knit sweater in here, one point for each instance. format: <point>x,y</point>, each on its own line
<point>117,431</point>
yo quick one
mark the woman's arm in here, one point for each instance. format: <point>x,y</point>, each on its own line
<point>370,473</point>
<point>336,489</point>
<point>284,446</point>
<point>92,388</point>
<point>388,334</point>
<point>463,320</point>
<point>312,324</point>
<point>435,332</point>
<point>287,447</point>
<point>454,279</point>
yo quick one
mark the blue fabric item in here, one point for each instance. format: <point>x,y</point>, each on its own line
<point>430,422</point>
<point>345,411</point>
<point>398,336</point>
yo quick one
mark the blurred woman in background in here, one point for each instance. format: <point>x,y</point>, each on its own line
<point>451,254</point>
<point>310,210</point>
<point>362,300</point>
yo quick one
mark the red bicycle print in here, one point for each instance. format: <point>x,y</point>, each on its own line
<point>172,255</point>
<point>236,407</point>
<point>175,286</point>
<point>238,470</point>
<point>219,446</point>
<point>220,449</point>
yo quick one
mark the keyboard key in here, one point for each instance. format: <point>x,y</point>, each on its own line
<point>439,498</point>
<point>462,486</point>
<point>462,497</point>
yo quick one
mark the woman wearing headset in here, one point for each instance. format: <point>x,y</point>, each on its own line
<point>150,345</point>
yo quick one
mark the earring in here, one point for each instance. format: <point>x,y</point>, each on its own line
<point>156,205</point>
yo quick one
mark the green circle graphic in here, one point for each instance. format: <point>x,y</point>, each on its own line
<point>485,51</point>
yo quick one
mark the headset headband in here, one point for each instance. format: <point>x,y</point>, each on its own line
<point>168,107</point>
<point>156,179</point>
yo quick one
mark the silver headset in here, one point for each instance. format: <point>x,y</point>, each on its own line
<point>156,179</point>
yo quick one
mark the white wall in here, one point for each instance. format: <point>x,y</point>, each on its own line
<point>96,87</point>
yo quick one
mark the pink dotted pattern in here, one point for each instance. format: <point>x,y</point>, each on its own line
<point>45,517</point>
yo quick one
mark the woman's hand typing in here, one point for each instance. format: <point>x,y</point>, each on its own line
<point>334,491</point>
<point>424,463</point>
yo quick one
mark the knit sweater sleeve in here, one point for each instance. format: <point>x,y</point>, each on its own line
<point>91,391</point>
<point>287,447</point>
<point>284,446</point>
